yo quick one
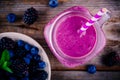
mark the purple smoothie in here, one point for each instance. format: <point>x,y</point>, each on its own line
<point>69,41</point>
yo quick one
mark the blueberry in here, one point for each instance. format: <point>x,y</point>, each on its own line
<point>13,78</point>
<point>25,78</point>
<point>91,69</point>
<point>27,60</point>
<point>11,17</point>
<point>29,56</point>
<point>20,43</point>
<point>11,53</point>
<point>37,57</point>
<point>53,3</point>
<point>42,64</point>
<point>27,47</point>
<point>34,50</point>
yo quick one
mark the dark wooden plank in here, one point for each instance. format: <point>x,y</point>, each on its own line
<point>81,75</point>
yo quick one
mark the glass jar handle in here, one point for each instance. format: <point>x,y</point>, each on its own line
<point>104,18</point>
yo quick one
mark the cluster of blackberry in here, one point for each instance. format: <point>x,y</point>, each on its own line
<point>26,64</point>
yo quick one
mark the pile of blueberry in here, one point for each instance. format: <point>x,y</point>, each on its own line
<point>26,63</point>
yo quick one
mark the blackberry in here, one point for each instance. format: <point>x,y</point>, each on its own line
<point>20,51</point>
<point>1,45</point>
<point>30,16</point>
<point>7,43</point>
<point>19,68</point>
<point>33,66</point>
<point>111,59</point>
<point>11,76</point>
<point>39,75</point>
<point>1,48</point>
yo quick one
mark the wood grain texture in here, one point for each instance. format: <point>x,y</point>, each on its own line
<point>80,75</point>
<point>111,29</point>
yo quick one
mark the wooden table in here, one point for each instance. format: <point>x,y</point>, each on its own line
<point>59,72</point>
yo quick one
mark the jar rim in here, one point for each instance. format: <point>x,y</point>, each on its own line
<point>58,51</point>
